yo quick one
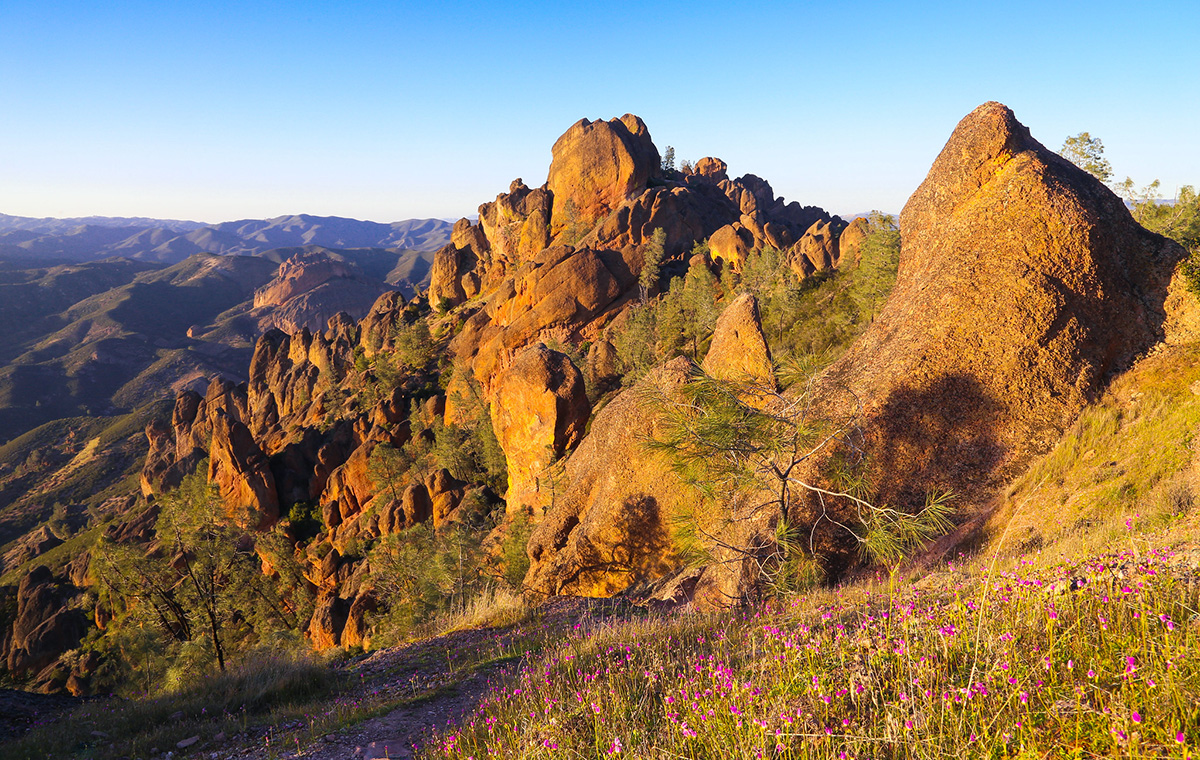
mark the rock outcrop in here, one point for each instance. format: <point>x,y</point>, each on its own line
<point>562,294</point>
<point>739,351</point>
<point>44,627</point>
<point>817,250</point>
<point>1024,285</point>
<point>605,197</point>
<point>309,289</point>
<point>540,413</point>
<point>598,166</point>
<point>238,468</point>
<point>297,276</point>
<point>851,240</point>
<point>611,527</point>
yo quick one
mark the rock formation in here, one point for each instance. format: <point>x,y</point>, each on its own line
<point>612,527</point>
<point>817,250</point>
<point>540,413</point>
<point>598,166</point>
<point>851,240</point>
<point>44,626</point>
<point>309,289</point>
<point>739,350</point>
<point>1024,285</point>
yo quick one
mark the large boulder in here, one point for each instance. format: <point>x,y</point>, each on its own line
<point>713,168</point>
<point>450,265</point>
<point>739,351</point>
<point>597,166</point>
<point>377,329</point>
<point>1024,285</point>
<point>44,626</point>
<point>540,412</point>
<point>731,243</point>
<point>611,526</point>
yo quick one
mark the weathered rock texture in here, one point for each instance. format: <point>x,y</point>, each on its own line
<point>739,351</point>
<point>597,166</point>
<point>540,413</point>
<point>44,627</point>
<point>1024,284</point>
<point>612,526</point>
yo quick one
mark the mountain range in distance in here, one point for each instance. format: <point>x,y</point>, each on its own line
<point>28,240</point>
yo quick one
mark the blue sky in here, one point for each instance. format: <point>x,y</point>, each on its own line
<point>391,110</point>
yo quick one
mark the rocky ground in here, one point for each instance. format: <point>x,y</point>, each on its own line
<point>421,687</point>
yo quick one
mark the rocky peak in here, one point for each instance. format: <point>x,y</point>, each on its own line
<point>597,166</point>
<point>1024,284</point>
<point>300,274</point>
<point>711,168</point>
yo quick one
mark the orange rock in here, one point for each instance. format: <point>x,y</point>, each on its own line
<point>539,413</point>
<point>597,166</point>
<point>712,168</point>
<point>817,249</point>
<point>517,223</point>
<point>240,470</point>
<point>299,275</point>
<point>729,244</point>
<point>327,622</point>
<point>1024,285</point>
<point>850,242</point>
<point>562,293</point>
<point>739,351</point>
<point>611,526</point>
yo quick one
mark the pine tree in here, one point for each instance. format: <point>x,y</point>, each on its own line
<point>653,251</point>
<point>742,439</point>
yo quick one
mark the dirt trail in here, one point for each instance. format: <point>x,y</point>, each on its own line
<point>434,684</point>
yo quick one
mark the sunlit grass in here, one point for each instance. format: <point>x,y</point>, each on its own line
<point>1095,658</point>
<point>1128,457</point>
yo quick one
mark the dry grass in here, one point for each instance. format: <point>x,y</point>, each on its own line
<point>264,691</point>
<point>492,608</point>
<point>1128,460</point>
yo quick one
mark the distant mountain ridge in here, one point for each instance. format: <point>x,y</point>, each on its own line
<point>29,240</point>
<point>53,225</point>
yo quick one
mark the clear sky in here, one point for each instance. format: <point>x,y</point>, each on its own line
<point>391,110</point>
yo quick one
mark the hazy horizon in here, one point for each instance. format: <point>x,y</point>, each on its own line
<point>375,112</point>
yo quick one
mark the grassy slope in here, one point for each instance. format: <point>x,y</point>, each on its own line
<point>1129,459</point>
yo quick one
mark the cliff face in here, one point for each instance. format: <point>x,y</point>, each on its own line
<point>1024,285</point>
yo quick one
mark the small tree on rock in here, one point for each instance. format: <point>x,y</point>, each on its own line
<point>745,440</point>
<point>1087,153</point>
<point>652,255</point>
